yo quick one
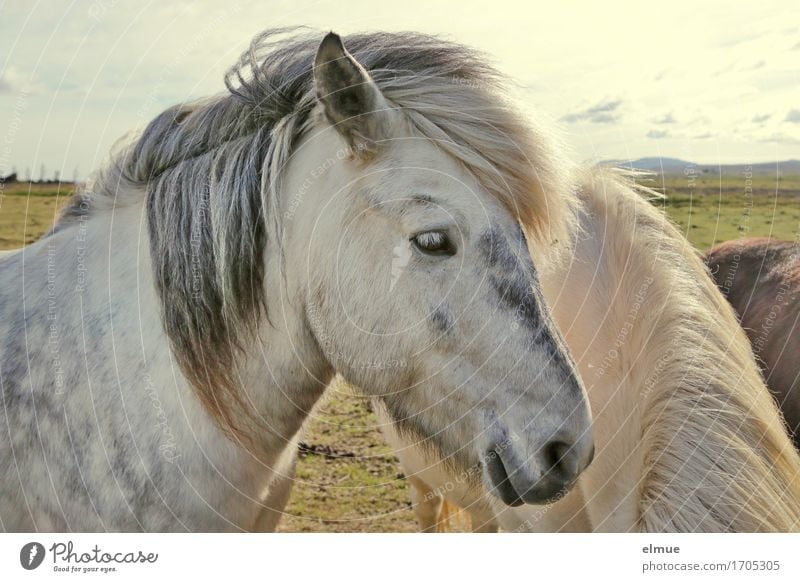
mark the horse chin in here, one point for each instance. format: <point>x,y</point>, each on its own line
<point>434,446</point>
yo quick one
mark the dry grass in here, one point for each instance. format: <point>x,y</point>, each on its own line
<point>28,210</point>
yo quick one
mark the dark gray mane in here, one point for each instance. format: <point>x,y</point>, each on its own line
<point>209,168</point>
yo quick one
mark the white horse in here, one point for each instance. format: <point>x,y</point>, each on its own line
<point>688,437</point>
<point>162,346</point>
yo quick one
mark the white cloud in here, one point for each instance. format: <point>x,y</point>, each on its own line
<point>793,116</point>
<point>658,134</point>
<point>665,119</point>
<point>606,111</point>
<point>782,138</point>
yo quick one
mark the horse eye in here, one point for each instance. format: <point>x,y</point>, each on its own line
<point>434,242</point>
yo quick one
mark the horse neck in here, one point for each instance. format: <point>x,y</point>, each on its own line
<point>589,304</point>
<point>681,413</point>
<point>281,371</point>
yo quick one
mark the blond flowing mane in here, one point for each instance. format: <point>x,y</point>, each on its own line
<point>715,455</point>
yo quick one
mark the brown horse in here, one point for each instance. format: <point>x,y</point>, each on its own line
<point>761,279</point>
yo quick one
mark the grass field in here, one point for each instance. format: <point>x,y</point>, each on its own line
<point>27,211</point>
<point>710,210</point>
<point>347,479</point>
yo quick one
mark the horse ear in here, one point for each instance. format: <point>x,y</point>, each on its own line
<point>351,100</point>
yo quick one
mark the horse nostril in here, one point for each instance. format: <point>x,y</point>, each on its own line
<point>563,460</point>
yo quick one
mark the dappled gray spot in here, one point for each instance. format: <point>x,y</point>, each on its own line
<point>514,281</point>
<point>442,318</point>
<point>515,293</point>
<point>496,252</point>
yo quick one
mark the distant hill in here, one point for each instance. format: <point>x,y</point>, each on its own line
<point>649,164</point>
<point>674,165</point>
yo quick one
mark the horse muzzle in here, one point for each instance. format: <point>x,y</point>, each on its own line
<point>553,471</point>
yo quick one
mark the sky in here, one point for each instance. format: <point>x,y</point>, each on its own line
<point>710,82</point>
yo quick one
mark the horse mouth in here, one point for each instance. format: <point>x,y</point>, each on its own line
<point>498,477</point>
<point>515,489</point>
